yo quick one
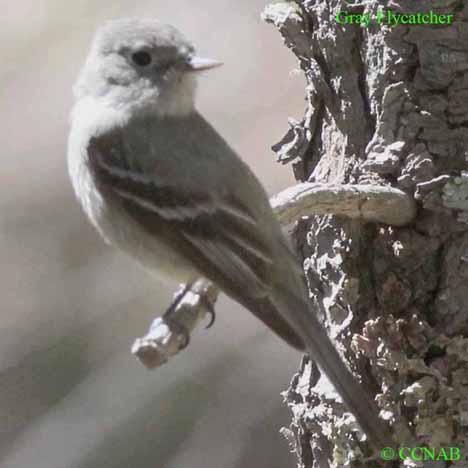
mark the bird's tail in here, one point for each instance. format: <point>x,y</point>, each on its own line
<point>304,331</point>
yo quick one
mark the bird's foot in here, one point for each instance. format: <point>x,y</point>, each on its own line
<point>211,311</point>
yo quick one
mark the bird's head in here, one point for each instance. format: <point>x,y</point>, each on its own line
<point>142,64</point>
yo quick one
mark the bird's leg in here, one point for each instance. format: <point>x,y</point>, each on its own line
<point>179,328</point>
<point>178,299</point>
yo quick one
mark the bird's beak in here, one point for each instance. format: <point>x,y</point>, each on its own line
<point>196,64</point>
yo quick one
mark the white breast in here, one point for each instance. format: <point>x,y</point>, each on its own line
<point>90,119</point>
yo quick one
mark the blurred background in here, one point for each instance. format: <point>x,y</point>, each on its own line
<point>71,393</point>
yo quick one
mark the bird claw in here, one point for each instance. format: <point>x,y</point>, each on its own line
<point>210,308</point>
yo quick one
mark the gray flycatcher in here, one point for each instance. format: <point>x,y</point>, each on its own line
<point>160,183</point>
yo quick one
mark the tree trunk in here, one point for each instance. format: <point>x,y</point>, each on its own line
<point>387,106</point>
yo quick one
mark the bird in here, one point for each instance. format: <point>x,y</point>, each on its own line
<point>160,183</point>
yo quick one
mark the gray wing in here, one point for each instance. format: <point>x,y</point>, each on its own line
<point>229,235</point>
<point>214,228</point>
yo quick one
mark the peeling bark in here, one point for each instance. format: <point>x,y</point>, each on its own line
<point>388,107</point>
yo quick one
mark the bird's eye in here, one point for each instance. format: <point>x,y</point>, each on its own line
<point>141,58</point>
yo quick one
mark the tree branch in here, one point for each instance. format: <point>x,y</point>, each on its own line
<point>170,333</point>
<point>370,203</point>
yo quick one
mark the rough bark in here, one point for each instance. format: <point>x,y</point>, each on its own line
<point>387,106</point>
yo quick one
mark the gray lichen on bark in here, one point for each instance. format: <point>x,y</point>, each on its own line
<point>386,106</point>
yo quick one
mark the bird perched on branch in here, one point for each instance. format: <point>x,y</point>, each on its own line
<point>160,183</point>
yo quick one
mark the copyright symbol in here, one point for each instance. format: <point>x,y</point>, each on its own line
<point>387,453</point>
